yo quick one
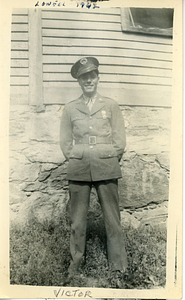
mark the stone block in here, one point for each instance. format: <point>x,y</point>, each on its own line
<point>164,160</point>
<point>16,195</point>
<point>153,215</point>
<point>142,119</point>
<point>129,221</point>
<point>60,172</point>
<point>44,152</point>
<point>148,129</point>
<point>44,175</point>
<point>45,127</point>
<point>22,169</point>
<point>18,121</point>
<point>58,184</point>
<point>142,183</point>
<point>48,167</point>
<point>151,145</point>
<point>34,187</point>
<point>41,208</point>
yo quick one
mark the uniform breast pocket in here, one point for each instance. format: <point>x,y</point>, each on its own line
<point>103,118</point>
<point>103,115</point>
<point>77,117</point>
<point>78,123</point>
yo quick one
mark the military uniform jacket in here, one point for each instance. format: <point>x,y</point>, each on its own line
<point>92,140</point>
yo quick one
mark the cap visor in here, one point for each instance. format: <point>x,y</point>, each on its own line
<point>86,70</point>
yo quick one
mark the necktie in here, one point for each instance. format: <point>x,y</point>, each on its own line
<point>90,104</point>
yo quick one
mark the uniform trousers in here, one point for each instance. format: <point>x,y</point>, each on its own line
<point>107,192</point>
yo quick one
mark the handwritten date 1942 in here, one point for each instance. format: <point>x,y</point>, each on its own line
<point>82,4</point>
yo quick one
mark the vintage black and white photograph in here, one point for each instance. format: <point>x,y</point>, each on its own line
<point>90,120</point>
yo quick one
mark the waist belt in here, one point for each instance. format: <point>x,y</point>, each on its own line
<point>93,140</point>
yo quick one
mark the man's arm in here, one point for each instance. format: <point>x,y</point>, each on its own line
<point>66,136</point>
<point>118,130</point>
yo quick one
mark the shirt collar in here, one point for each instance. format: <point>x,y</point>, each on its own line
<point>86,99</point>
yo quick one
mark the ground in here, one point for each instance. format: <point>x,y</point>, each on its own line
<point>39,255</point>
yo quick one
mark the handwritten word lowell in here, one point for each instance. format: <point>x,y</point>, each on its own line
<point>72,293</point>
<point>56,4</point>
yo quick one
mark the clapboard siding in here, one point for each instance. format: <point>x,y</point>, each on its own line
<point>47,32</point>
<point>95,42</point>
<point>19,45</point>
<point>101,11</point>
<point>98,15</point>
<point>107,52</point>
<point>19,27</point>
<point>114,85</point>
<point>113,61</point>
<point>19,36</point>
<point>81,16</point>
<point>16,80</point>
<point>19,80</point>
<point>19,54</point>
<point>112,78</point>
<point>115,69</point>
<point>127,61</point>
<point>19,63</point>
<point>65,24</point>
<point>20,71</point>
<point>17,18</point>
<point>134,69</point>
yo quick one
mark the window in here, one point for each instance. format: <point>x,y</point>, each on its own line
<point>155,21</point>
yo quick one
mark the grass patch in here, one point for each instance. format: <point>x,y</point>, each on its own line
<point>39,255</point>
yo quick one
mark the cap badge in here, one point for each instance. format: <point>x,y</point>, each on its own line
<point>83,61</point>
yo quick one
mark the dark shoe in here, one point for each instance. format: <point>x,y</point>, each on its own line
<point>116,280</point>
<point>73,270</point>
<point>71,273</point>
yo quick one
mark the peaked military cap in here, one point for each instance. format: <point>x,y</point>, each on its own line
<point>84,65</point>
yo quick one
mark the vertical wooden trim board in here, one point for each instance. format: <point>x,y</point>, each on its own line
<point>35,58</point>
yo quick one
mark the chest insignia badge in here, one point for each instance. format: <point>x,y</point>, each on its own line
<point>104,114</point>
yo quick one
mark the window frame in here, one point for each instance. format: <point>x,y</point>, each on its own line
<point>127,24</point>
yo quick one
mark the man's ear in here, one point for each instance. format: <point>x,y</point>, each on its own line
<point>78,81</point>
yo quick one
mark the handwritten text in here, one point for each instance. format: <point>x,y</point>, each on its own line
<point>83,4</point>
<point>72,293</point>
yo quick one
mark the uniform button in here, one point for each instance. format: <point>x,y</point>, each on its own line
<point>90,117</point>
<point>90,127</point>
<point>91,147</point>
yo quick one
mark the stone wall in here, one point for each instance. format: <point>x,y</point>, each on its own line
<point>38,169</point>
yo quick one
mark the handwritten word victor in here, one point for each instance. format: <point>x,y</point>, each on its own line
<point>72,293</point>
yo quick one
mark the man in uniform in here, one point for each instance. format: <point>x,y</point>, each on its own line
<point>93,141</point>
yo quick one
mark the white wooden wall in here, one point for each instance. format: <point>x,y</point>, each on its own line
<point>134,69</point>
<point>19,57</point>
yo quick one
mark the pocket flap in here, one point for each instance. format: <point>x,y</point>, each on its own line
<point>107,153</point>
<point>103,114</point>
<point>77,117</point>
<point>76,153</point>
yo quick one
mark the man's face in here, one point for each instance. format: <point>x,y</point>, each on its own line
<point>89,83</point>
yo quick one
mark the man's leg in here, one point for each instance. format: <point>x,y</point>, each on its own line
<point>79,192</point>
<point>108,195</point>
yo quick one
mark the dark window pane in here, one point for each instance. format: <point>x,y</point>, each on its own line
<point>152,17</point>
